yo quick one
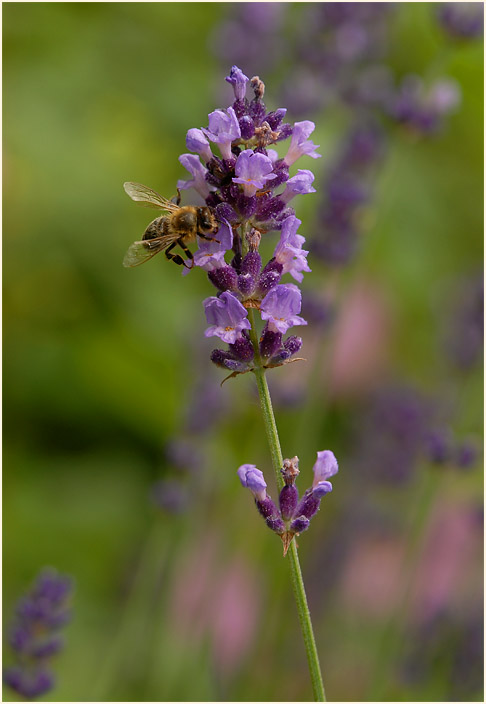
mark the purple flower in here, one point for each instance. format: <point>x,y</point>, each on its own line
<point>197,142</point>
<point>252,478</point>
<point>326,466</point>
<point>226,317</point>
<point>33,636</point>
<point>300,184</point>
<point>253,170</point>
<point>238,80</point>
<point>289,252</point>
<point>192,163</point>
<point>210,255</point>
<point>280,307</point>
<point>462,20</point>
<point>300,144</point>
<point>223,130</point>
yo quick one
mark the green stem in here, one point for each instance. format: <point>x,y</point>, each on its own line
<point>292,555</point>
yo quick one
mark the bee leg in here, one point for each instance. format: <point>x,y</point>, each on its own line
<point>177,199</point>
<point>209,239</point>
<point>176,258</point>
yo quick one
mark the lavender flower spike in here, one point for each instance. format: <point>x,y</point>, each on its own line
<point>34,635</point>
<point>326,466</point>
<point>253,170</point>
<point>252,478</point>
<point>223,130</point>
<point>300,144</point>
<point>280,307</point>
<point>226,316</point>
<point>238,80</point>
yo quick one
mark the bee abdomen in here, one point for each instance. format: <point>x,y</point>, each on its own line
<point>155,229</point>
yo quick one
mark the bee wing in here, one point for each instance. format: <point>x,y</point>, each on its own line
<point>140,252</point>
<point>148,197</point>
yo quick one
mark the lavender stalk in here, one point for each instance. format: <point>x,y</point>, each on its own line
<point>295,571</point>
<point>247,190</point>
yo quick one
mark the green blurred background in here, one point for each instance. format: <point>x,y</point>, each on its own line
<point>102,366</point>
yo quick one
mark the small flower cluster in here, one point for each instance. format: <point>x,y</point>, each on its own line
<point>249,187</point>
<point>293,516</point>
<point>34,635</point>
<point>422,108</point>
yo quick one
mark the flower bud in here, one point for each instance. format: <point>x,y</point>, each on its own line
<point>225,278</point>
<point>288,499</point>
<point>270,342</point>
<point>300,524</point>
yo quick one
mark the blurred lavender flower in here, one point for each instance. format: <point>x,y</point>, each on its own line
<point>347,190</point>
<point>170,495</point>
<point>422,108</point>
<point>34,635</point>
<point>462,20</point>
<point>250,35</point>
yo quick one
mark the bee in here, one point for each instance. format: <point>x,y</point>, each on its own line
<point>178,227</point>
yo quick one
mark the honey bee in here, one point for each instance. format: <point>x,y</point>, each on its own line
<point>178,227</point>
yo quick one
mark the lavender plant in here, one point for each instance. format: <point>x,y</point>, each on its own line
<point>248,188</point>
<point>34,635</point>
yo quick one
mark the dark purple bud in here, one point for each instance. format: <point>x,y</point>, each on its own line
<point>300,524</point>
<point>220,357</point>
<point>251,264</point>
<point>247,127</point>
<point>229,164</point>
<point>279,358</point>
<point>225,278</point>
<point>240,107</point>
<point>275,118</point>
<point>246,284</point>
<point>213,200</point>
<point>267,281</point>
<point>308,506</point>
<point>281,169</point>
<point>257,111</point>
<point>272,266</point>
<point>271,514</point>
<point>235,366</point>
<point>289,497</point>
<point>276,524</point>
<point>269,207</point>
<point>224,211</point>
<point>216,169</point>
<point>242,349</point>
<point>246,205</point>
<point>284,132</point>
<point>270,342</point>
<point>293,344</point>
